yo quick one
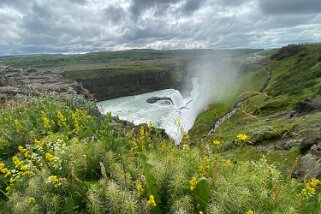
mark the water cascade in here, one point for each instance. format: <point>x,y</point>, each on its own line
<point>162,108</point>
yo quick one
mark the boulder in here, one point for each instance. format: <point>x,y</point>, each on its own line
<point>156,99</point>
<point>286,144</point>
<point>308,142</point>
<point>308,105</point>
<point>310,162</point>
<point>261,135</point>
<point>310,167</point>
<point>316,150</point>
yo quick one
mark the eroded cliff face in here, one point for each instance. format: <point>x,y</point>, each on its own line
<point>108,87</point>
<point>34,81</point>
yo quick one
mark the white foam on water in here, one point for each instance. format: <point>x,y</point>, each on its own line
<point>162,114</point>
<point>136,109</point>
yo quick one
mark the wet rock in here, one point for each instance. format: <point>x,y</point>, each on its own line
<point>308,105</point>
<point>155,99</point>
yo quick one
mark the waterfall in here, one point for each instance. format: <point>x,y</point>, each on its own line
<point>136,109</point>
<point>177,98</point>
<point>161,108</point>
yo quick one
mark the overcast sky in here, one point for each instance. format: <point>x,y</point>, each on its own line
<point>50,26</point>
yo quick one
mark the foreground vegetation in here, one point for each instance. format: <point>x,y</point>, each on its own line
<point>59,156</point>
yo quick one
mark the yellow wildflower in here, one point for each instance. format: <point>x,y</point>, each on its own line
<point>76,118</point>
<point>314,182</point>
<point>27,173</point>
<point>52,123</point>
<point>216,142</point>
<point>242,137</point>
<point>16,161</point>
<point>200,212</point>
<point>152,200</point>
<point>12,180</point>
<point>309,189</point>
<point>228,163</point>
<point>45,120</point>
<point>141,131</point>
<point>50,157</point>
<point>186,147</point>
<point>4,170</point>
<point>23,168</point>
<point>186,137</point>
<point>7,174</point>
<point>31,200</point>
<point>140,189</point>
<point>17,124</point>
<point>193,183</point>
<point>204,167</point>
<point>27,154</point>
<point>8,188</point>
<point>250,211</point>
<point>21,149</point>
<point>2,166</point>
<point>54,180</point>
<point>62,119</point>
<point>39,144</point>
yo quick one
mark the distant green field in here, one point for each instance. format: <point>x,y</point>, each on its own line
<point>61,60</point>
<point>112,70</point>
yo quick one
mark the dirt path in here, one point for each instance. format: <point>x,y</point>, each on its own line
<point>237,105</point>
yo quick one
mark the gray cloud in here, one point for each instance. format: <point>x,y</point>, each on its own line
<point>140,6</point>
<point>115,14</point>
<point>192,5</point>
<point>44,26</point>
<point>290,6</point>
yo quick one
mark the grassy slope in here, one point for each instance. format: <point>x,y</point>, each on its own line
<point>244,86</point>
<point>294,78</point>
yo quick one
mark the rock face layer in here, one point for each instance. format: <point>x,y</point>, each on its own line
<point>33,82</point>
<point>109,87</point>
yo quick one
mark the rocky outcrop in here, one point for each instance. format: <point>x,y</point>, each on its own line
<point>15,82</point>
<point>310,162</point>
<point>156,99</point>
<point>308,105</point>
<point>286,51</point>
